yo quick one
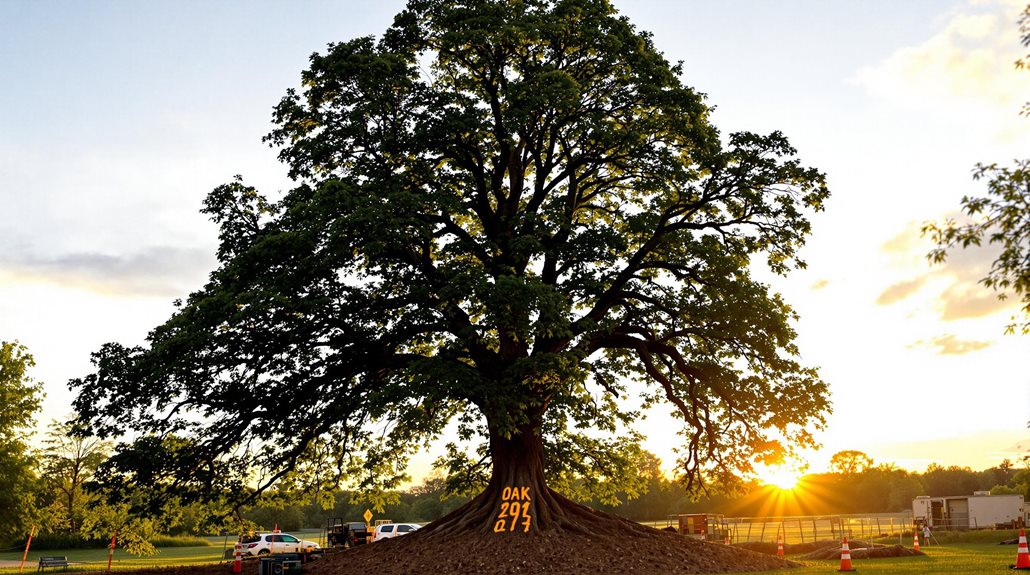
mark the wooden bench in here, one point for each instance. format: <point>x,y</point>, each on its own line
<point>52,561</point>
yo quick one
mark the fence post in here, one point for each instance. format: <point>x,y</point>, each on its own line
<point>762,536</point>
<point>801,529</point>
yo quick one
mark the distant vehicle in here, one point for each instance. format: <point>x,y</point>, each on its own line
<point>268,543</point>
<point>340,533</point>
<point>393,530</point>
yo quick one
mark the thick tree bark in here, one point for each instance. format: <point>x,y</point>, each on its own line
<point>517,500</point>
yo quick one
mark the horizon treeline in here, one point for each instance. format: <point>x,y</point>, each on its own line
<point>68,512</point>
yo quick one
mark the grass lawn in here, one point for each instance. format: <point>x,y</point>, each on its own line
<point>93,560</point>
<point>96,559</point>
<point>956,558</point>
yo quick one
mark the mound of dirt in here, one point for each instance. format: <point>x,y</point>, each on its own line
<point>795,548</point>
<point>873,552</point>
<point>550,553</point>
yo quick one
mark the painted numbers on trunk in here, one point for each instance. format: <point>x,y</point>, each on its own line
<point>514,506</point>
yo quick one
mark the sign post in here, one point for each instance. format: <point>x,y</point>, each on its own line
<point>110,554</point>
<point>368,525</point>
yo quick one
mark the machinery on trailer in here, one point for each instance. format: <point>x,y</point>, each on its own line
<point>704,526</point>
<point>340,533</point>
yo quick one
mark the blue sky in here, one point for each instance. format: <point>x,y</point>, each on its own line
<point>117,118</point>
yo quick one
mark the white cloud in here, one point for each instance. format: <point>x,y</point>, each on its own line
<point>151,272</point>
<point>950,344</point>
<point>966,68</point>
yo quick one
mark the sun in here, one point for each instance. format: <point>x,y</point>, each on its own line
<point>782,477</point>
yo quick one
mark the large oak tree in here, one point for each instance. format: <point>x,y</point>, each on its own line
<point>509,214</point>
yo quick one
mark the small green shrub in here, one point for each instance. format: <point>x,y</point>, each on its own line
<point>49,541</point>
<point>178,541</point>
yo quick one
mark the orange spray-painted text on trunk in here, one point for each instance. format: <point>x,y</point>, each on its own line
<point>514,506</point>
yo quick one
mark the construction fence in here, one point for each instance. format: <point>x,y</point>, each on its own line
<point>808,528</point>
<point>803,529</point>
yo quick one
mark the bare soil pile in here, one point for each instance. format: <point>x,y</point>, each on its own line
<point>808,547</point>
<point>872,552</point>
<point>552,553</point>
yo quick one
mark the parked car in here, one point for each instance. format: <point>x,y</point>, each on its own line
<point>265,543</point>
<point>388,530</point>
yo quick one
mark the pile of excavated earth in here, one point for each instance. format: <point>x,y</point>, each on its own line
<point>830,549</point>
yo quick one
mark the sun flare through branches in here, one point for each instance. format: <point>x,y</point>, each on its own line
<point>783,478</point>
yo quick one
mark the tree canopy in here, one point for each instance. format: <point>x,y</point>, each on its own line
<point>509,215</point>
<point>850,462</point>
<point>20,399</point>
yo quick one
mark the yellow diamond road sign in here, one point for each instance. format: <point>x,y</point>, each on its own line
<point>368,515</point>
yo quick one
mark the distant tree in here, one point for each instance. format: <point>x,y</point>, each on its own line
<point>1021,483</point>
<point>953,480</point>
<point>67,462</point>
<point>20,399</point>
<point>512,214</point>
<point>1001,217</point>
<point>432,500</point>
<point>904,488</point>
<point>1001,474</point>
<point>653,499</point>
<point>850,462</point>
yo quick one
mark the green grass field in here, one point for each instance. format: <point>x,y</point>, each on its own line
<point>94,560</point>
<point>952,558</point>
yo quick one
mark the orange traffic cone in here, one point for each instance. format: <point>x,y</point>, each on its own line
<point>1022,554</point>
<point>237,563</point>
<point>779,545</point>
<point>915,539</point>
<point>845,557</point>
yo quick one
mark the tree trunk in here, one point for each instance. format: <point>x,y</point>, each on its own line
<point>517,500</point>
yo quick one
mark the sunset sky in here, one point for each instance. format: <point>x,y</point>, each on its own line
<point>117,118</point>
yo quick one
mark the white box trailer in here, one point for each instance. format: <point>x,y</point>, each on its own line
<point>978,511</point>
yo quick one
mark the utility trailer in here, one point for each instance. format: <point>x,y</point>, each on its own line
<point>978,511</point>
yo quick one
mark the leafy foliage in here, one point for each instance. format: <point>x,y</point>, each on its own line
<point>20,399</point>
<point>1001,217</point>
<point>1024,38</point>
<point>512,215</point>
